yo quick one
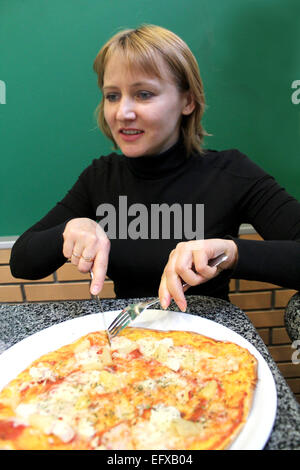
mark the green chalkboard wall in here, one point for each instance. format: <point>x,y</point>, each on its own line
<point>249,57</point>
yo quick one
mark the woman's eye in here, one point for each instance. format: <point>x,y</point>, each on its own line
<point>111,97</point>
<point>144,95</point>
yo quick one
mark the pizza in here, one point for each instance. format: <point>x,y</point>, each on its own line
<point>150,390</point>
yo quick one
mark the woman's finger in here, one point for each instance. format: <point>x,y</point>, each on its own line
<point>163,293</point>
<point>202,267</point>
<point>173,288</point>
<point>76,253</point>
<point>86,261</point>
<point>100,266</point>
<point>90,247</point>
<point>184,265</point>
<point>68,247</point>
<point>172,282</point>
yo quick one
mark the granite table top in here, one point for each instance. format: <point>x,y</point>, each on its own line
<point>18,321</point>
<point>292,317</point>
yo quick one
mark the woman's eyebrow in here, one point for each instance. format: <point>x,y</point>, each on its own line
<point>109,87</point>
<point>132,85</point>
<point>142,83</point>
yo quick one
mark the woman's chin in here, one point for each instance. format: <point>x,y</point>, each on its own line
<point>132,151</point>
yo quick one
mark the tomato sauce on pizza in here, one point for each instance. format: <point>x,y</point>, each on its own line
<point>151,390</point>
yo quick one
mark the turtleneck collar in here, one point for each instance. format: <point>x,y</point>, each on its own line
<point>157,166</point>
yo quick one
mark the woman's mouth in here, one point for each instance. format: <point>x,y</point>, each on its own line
<point>130,135</point>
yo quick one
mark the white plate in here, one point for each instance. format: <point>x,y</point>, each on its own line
<point>258,427</point>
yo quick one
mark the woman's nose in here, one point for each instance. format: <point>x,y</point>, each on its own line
<point>126,109</point>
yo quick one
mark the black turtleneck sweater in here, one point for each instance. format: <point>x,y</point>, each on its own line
<point>233,190</point>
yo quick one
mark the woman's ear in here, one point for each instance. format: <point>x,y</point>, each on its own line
<point>189,105</point>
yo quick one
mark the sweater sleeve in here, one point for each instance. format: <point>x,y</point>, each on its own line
<point>275,215</point>
<point>275,261</point>
<point>38,252</point>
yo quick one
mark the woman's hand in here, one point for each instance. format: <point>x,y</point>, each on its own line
<point>87,246</point>
<point>188,263</point>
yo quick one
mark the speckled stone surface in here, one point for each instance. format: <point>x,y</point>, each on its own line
<point>292,317</point>
<point>21,320</point>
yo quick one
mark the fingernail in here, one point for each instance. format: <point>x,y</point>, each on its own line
<point>182,305</point>
<point>164,303</point>
<point>95,290</point>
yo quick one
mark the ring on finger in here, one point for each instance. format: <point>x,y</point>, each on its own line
<point>76,256</point>
<point>87,259</point>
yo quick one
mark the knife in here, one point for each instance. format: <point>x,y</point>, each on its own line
<point>97,298</point>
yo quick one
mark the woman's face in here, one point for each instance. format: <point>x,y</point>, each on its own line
<point>143,112</point>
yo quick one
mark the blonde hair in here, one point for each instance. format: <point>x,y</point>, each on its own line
<point>141,47</point>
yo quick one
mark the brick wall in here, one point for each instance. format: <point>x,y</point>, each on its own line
<point>264,304</point>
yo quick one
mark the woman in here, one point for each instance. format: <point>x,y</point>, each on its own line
<point>151,108</point>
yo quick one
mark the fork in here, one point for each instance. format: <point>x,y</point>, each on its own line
<point>97,298</point>
<point>130,312</point>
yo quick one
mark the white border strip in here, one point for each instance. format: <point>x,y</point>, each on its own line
<point>246,229</point>
<point>7,242</point>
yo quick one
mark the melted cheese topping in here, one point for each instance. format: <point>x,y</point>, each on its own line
<point>151,391</point>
